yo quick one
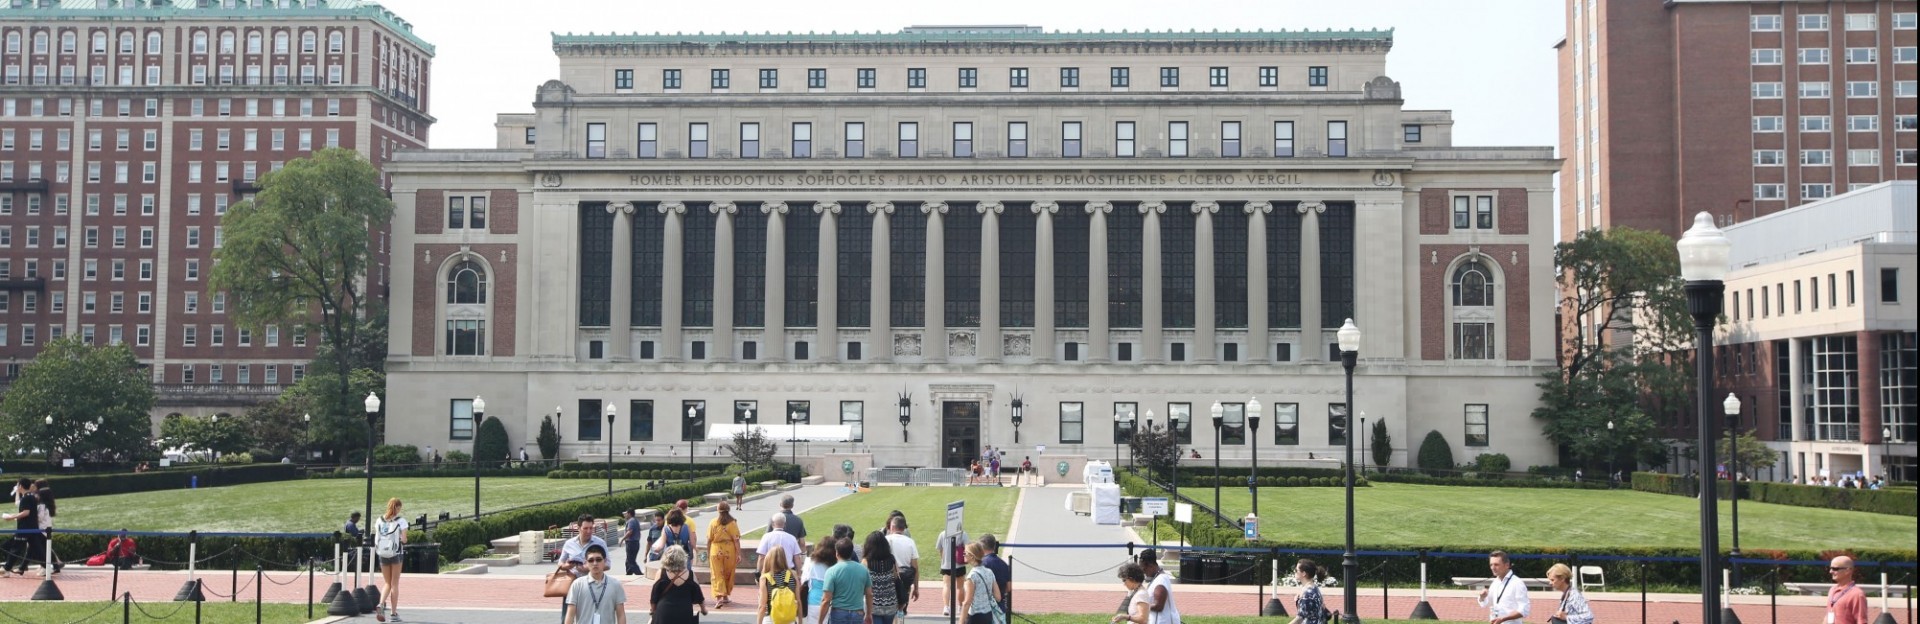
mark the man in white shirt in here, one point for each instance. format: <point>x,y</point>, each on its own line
<point>780,537</point>
<point>907,554</point>
<point>1505,599</point>
<point>1160,605</point>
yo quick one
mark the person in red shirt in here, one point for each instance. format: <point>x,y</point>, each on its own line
<point>1846,602</point>
<point>123,552</point>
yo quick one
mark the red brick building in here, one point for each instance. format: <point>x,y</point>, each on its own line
<point>127,127</point>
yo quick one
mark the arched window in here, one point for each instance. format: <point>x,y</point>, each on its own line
<point>307,41</point>
<point>1472,285</point>
<point>226,43</point>
<point>68,42</point>
<point>336,42</point>
<point>13,43</point>
<point>200,42</point>
<point>467,283</point>
<point>40,42</point>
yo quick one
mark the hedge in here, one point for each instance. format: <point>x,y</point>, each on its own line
<point>680,467</point>
<point>1899,502</point>
<point>74,486</point>
<point>1492,481</point>
<point>1274,481</point>
<point>457,535</point>
<point>1439,569</point>
<point>620,473</point>
<point>448,469</point>
<point>170,553</point>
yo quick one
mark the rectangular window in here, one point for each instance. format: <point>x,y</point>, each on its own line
<point>1169,77</point>
<point>1069,77</point>
<point>719,79</point>
<point>1177,139</point>
<point>916,78</point>
<point>1269,76</point>
<point>1317,76</point>
<point>1477,430</point>
<point>649,137</point>
<point>640,420</point>
<point>697,140</point>
<point>1768,90</point>
<point>1815,56</point>
<point>587,423</point>
<point>1070,139</point>
<point>1906,21</point>
<point>670,79</point>
<point>1816,157</point>
<point>816,78</point>
<point>1017,139</point>
<point>1863,89</point>
<point>962,139</point>
<point>802,140</point>
<point>1863,157</point>
<point>1808,123</point>
<point>1813,21</point>
<point>1816,90</point>
<point>1017,78</point>
<point>1816,191</point>
<point>866,77</point>
<point>693,420</point>
<point>1337,139</point>
<point>1890,285</point>
<point>1337,424</point>
<point>1282,139</point>
<point>1765,23</point>
<point>1073,422</point>
<point>1861,21</point>
<point>969,77</point>
<point>749,140</point>
<point>1119,77</point>
<point>1766,56</point>
<point>1769,157</point>
<point>1217,77</point>
<point>623,79</point>
<point>856,139</point>
<point>1230,139</point>
<point>596,140</point>
<point>460,419</point>
<point>1473,341</point>
<point>1410,133</point>
<point>1123,139</point>
<point>909,139</point>
<point>1861,56</point>
<point>853,414</point>
<point>769,78</point>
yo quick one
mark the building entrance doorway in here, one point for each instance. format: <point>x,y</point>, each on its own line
<point>959,433</point>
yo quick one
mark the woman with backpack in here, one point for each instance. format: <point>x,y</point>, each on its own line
<point>678,532</point>
<point>779,589</point>
<point>676,596</point>
<point>1309,607</point>
<point>885,574</point>
<point>982,592</point>
<point>723,554</point>
<point>389,539</point>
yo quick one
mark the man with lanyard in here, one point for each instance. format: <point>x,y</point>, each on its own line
<point>595,598</point>
<point>573,554</point>
<point>1846,602</point>
<point>1160,606</point>
<point>1506,598</point>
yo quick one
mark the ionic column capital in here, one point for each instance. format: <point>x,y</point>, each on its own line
<point>672,208</point>
<point>1099,207</point>
<point>726,207</point>
<point>1046,207</point>
<point>1206,207</point>
<point>1153,207</point>
<point>879,207</point>
<point>993,207</point>
<point>773,207</point>
<point>1258,206</point>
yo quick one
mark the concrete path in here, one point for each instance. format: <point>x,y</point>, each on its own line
<point>1042,518</point>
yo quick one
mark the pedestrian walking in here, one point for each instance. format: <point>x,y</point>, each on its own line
<point>1159,589</point>
<point>795,526</point>
<point>848,597</point>
<point>813,576</point>
<point>777,537</point>
<point>739,491</point>
<point>24,544</point>
<point>1506,598</point>
<point>907,555</point>
<point>953,563</point>
<point>1310,607</point>
<point>845,532</point>
<point>47,512</point>
<point>1846,602</point>
<point>596,597</point>
<point>679,532</point>
<point>885,574</point>
<point>1134,608</point>
<point>573,555</point>
<point>723,554</point>
<point>630,540</point>
<point>676,596</point>
<point>1573,603</point>
<point>980,595</point>
<point>1002,573</point>
<point>389,540</point>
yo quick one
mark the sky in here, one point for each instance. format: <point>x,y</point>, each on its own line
<point>1489,61</point>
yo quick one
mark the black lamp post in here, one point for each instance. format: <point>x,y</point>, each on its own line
<point>1019,416</point>
<point>906,414</point>
<point>793,441</point>
<point>613,413</point>
<point>373,411</point>
<point>1349,567</point>
<point>1886,455</point>
<point>1732,406</point>
<point>1149,430</point>
<point>1611,452</point>
<point>479,415</point>
<point>1253,468</point>
<point>693,440</point>
<point>1704,264</point>
<point>1217,419</point>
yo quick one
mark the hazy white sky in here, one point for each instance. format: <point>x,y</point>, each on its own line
<point>1489,61</point>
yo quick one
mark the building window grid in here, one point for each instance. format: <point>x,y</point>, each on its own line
<point>697,268</point>
<point>854,262</point>
<point>1125,266</point>
<point>1336,261</point>
<point>1900,384</point>
<point>1283,267</point>
<point>1071,267</point>
<point>1177,232</point>
<point>749,268</point>
<point>1018,227</point>
<point>1073,421</point>
<point>649,234</point>
<point>961,230</point>
<point>907,277</point>
<point>1834,394</point>
<point>802,268</point>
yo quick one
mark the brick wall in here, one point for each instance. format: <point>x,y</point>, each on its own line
<point>1514,293</point>
<point>502,295</point>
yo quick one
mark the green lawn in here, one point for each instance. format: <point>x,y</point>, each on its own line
<point>1397,514</point>
<point>313,505</point>
<point>179,612</point>
<point>989,510</point>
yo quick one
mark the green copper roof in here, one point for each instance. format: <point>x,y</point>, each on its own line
<point>191,9</point>
<point>979,35</point>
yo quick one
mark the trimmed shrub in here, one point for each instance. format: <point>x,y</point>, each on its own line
<point>391,454</point>
<point>475,551</point>
<point>1492,465</point>
<point>1436,456</point>
<point>171,479</point>
<point>458,535</point>
<point>1892,502</point>
<point>490,442</point>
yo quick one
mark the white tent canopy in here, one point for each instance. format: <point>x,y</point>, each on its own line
<point>782,433</point>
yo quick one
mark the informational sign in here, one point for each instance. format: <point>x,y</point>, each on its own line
<point>956,510</point>
<point>1153,506</point>
<point>1183,512</point>
<point>66,463</point>
<point>1250,529</point>
<point>1040,449</point>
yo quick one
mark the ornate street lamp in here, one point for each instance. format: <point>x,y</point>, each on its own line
<point>1732,408</point>
<point>1350,567</point>
<point>479,415</point>
<point>1217,419</point>
<point>373,410</point>
<point>906,414</point>
<point>613,413</point>
<point>1019,416</point>
<point>1611,452</point>
<point>1704,264</point>
<point>693,440</point>
<point>793,437</point>
<point>1253,469</point>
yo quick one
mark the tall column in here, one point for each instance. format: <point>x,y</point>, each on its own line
<point>827,332</point>
<point>1796,393</point>
<point>773,340</point>
<point>989,347</point>
<point>1259,345</point>
<point>1043,317</point>
<point>1868,347</point>
<point>880,332</point>
<point>1152,287</point>
<point>672,282</point>
<point>1312,347</point>
<point>720,349</point>
<point>933,344</point>
<point>620,321</point>
<point>1098,342</point>
<point>1205,331</point>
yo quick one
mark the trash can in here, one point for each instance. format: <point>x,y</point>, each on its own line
<point>1238,570</point>
<point>1216,569</point>
<point>1191,570</point>
<point>420,559</point>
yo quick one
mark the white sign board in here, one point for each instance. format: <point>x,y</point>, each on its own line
<point>164,462</point>
<point>955,510</point>
<point>66,463</point>
<point>1040,449</point>
<point>1153,506</point>
<point>1183,512</point>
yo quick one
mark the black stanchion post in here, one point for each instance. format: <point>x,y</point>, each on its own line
<point>258,572</point>
<point>1643,592</point>
<point>1423,610</point>
<point>1274,608</point>
<point>1386,607</point>
<point>1773,596</point>
<point>233,590</point>
<point>126,608</point>
<point>116,579</point>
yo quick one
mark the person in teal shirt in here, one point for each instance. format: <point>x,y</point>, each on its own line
<point>848,596</point>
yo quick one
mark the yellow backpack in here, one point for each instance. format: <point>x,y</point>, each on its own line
<point>782,607</point>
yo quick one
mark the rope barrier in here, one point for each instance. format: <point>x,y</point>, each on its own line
<point>233,596</point>
<point>296,578</point>
<point>87,618</point>
<point>143,610</point>
<point>116,532</point>
<point>1035,568</point>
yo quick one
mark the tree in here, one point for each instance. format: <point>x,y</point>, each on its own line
<point>549,439</point>
<point>1626,318</point>
<point>750,447</point>
<point>298,254</point>
<point>1436,456</point>
<point>1754,454</point>
<point>1158,448</point>
<point>279,427</point>
<point>490,443</point>
<point>225,434</point>
<point>98,398</point>
<point>331,430</point>
<point>1382,443</point>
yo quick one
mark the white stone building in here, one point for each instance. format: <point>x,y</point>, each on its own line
<point>908,232</point>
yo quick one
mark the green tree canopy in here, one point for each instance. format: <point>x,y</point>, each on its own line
<point>225,434</point>
<point>98,398</point>
<point>299,254</point>
<point>1382,442</point>
<point>549,439</point>
<point>749,447</point>
<point>1436,456</point>
<point>490,443</point>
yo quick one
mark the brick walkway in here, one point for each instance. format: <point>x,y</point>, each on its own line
<point>504,592</point>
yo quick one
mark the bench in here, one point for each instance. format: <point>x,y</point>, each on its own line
<point>1821,589</point>
<point>1482,582</point>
